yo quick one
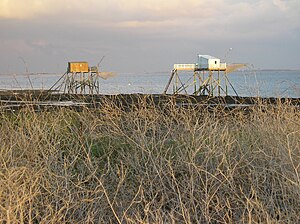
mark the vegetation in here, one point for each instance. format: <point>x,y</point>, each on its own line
<point>146,164</point>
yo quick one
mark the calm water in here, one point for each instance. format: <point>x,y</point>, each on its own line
<point>246,83</point>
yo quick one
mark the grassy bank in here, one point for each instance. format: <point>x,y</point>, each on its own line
<point>150,165</point>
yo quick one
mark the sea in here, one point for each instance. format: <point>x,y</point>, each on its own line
<point>262,83</point>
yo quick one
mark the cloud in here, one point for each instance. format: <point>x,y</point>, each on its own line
<point>18,9</point>
<point>149,13</point>
<point>281,5</point>
<point>133,29</point>
<point>21,9</point>
<point>213,19</point>
<point>113,11</point>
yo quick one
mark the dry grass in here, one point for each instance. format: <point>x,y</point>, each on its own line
<point>148,166</point>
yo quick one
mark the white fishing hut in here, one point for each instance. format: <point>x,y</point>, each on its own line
<point>209,77</point>
<point>204,63</point>
<point>207,62</point>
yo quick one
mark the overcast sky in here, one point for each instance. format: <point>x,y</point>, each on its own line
<point>147,35</point>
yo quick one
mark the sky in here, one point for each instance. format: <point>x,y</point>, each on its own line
<point>142,36</point>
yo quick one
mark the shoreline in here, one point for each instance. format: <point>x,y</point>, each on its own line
<point>45,99</point>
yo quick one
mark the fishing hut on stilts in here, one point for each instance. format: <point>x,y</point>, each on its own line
<point>81,79</point>
<point>206,77</point>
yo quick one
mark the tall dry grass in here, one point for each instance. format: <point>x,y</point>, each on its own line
<point>150,165</point>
